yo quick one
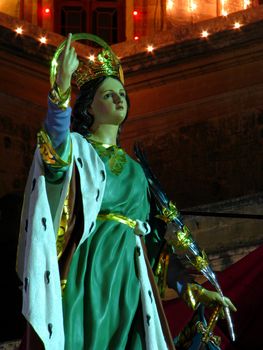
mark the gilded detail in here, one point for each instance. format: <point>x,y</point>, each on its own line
<point>207,332</point>
<point>200,262</point>
<point>63,227</point>
<point>169,214</point>
<point>116,155</point>
<point>48,153</point>
<point>63,284</point>
<point>61,99</point>
<point>161,273</point>
<point>182,239</point>
<point>119,218</point>
<point>106,64</point>
<point>192,295</point>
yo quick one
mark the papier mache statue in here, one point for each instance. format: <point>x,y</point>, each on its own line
<point>89,237</point>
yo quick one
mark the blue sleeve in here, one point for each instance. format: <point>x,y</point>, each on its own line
<point>57,124</point>
<point>54,142</point>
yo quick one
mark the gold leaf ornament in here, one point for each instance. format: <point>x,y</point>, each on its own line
<point>116,156</point>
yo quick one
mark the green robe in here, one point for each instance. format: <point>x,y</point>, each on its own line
<point>101,302</point>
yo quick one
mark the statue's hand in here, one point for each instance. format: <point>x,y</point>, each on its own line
<point>212,299</point>
<point>195,294</point>
<point>68,63</point>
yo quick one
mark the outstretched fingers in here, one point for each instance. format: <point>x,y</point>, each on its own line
<point>68,43</point>
<point>68,63</point>
<point>228,303</point>
<point>225,302</point>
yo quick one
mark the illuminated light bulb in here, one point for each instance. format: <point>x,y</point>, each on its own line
<point>193,6</point>
<point>246,4</point>
<point>169,5</point>
<point>237,25</point>
<point>135,13</point>
<point>150,48</point>
<point>136,37</point>
<point>204,34</point>
<point>19,30</point>
<point>224,13</point>
<point>43,40</point>
<point>47,10</point>
<point>92,58</point>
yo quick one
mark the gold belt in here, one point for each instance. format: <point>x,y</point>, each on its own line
<point>119,218</point>
<point>110,216</point>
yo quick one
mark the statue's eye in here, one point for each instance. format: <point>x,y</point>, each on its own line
<point>107,96</point>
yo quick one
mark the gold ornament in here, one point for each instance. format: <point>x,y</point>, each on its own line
<point>60,99</point>
<point>200,262</point>
<point>48,153</point>
<point>169,214</point>
<point>106,63</point>
<point>63,227</point>
<point>116,155</point>
<point>161,272</point>
<point>119,218</point>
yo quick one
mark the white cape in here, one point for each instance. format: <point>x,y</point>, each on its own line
<point>37,263</point>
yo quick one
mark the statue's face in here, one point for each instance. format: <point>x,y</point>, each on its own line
<point>109,105</point>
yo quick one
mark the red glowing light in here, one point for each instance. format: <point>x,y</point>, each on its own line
<point>135,13</point>
<point>136,37</point>
<point>47,10</point>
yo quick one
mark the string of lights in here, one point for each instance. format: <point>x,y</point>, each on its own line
<point>192,6</point>
<point>222,7</point>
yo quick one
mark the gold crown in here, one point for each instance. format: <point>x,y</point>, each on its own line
<point>105,64</point>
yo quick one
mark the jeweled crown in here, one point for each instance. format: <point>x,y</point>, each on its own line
<point>105,64</point>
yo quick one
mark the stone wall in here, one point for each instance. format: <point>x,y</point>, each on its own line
<point>228,238</point>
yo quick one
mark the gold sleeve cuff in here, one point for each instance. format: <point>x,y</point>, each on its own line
<point>49,154</point>
<point>192,295</point>
<point>59,98</point>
